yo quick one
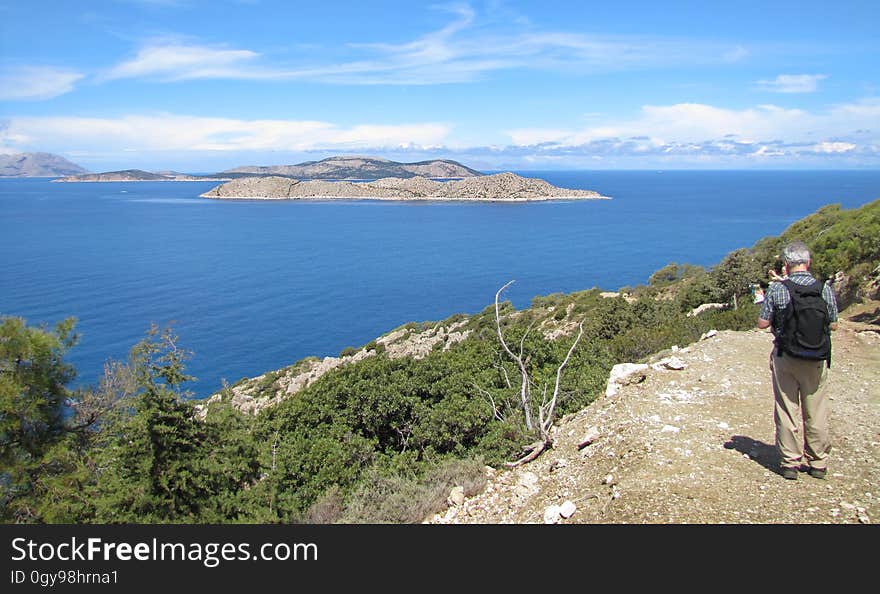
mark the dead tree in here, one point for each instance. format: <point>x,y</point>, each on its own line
<point>547,408</point>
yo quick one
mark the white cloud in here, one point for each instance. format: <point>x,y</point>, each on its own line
<point>177,61</point>
<point>698,129</point>
<point>695,122</point>
<point>35,83</point>
<point>792,83</point>
<point>169,132</point>
<point>834,147</point>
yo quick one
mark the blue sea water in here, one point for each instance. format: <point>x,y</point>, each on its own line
<point>252,286</point>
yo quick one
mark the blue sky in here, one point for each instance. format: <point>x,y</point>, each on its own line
<point>203,86</point>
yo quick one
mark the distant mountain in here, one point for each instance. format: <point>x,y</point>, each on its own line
<point>37,165</point>
<point>360,168</point>
<point>138,175</point>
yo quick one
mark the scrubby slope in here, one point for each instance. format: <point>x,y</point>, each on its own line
<point>696,445</point>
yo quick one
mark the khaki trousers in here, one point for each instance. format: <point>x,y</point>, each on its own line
<point>800,395</point>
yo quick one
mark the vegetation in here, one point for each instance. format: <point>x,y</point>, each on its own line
<point>380,440</point>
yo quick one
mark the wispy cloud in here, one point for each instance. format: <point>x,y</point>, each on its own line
<point>792,83</point>
<point>36,83</point>
<point>172,61</point>
<point>170,132</point>
<point>463,50</point>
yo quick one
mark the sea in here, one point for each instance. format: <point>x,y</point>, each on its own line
<point>252,286</point>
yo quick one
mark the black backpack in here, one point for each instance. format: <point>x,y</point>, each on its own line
<point>805,328</point>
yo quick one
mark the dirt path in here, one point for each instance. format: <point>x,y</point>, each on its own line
<point>696,446</point>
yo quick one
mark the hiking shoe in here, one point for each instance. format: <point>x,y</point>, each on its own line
<point>818,473</point>
<point>789,473</point>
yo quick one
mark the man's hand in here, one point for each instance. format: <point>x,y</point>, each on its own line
<point>776,276</point>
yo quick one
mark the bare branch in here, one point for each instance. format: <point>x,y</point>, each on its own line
<point>548,409</point>
<point>495,412</point>
<point>522,341</point>
<point>536,448</point>
<point>525,393</point>
<point>504,371</point>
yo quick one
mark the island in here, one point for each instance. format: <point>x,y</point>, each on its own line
<point>499,187</point>
<point>138,175</point>
<point>359,168</point>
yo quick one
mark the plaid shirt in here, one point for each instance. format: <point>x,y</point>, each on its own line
<point>777,297</point>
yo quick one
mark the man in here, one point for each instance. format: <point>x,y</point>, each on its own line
<point>798,383</point>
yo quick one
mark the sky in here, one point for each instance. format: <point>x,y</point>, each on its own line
<point>204,86</point>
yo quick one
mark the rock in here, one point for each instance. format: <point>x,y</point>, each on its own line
<point>552,515</point>
<point>624,374</point>
<point>558,463</point>
<point>591,436</point>
<point>527,485</point>
<point>567,509</point>
<point>709,334</point>
<point>609,478</point>
<point>673,363</point>
<point>706,307</point>
<point>669,429</point>
<point>456,496</point>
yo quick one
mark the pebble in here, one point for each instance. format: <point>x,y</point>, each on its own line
<point>551,515</point>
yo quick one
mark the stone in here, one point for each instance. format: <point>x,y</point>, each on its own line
<point>567,509</point>
<point>527,485</point>
<point>673,363</point>
<point>591,436</point>
<point>709,334</point>
<point>624,374</point>
<point>456,496</point>
<point>706,307</point>
<point>551,515</point>
<point>558,463</point>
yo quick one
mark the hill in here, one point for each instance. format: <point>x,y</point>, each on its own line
<point>37,165</point>
<point>362,168</point>
<point>507,187</point>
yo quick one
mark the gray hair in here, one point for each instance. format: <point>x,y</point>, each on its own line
<point>796,253</point>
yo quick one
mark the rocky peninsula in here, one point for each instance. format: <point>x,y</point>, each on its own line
<point>137,175</point>
<point>500,187</point>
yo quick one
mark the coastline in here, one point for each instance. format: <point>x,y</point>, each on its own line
<point>126,181</point>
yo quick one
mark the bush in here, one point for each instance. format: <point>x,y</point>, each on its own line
<point>402,498</point>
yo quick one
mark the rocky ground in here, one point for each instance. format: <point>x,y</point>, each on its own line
<point>692,442</point>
